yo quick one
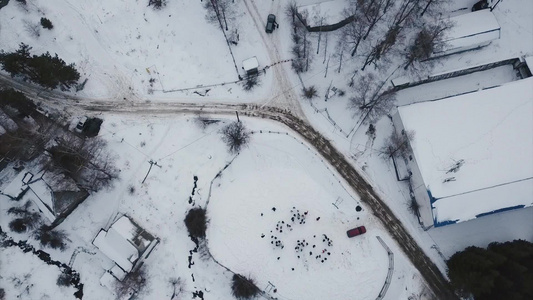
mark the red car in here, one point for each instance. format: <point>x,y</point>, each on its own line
<point>356,231</point>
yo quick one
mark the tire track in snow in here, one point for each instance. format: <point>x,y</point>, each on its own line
<point>285,96</point>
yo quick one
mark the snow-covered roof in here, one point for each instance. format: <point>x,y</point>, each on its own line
<point>323,13</point>
<point>471,29</point>
<point>115,243</point>
<point>472,23</point>
<point>16,186</point>
<point>250,63</point>
<point>42,196</point>
<point>489,134</point>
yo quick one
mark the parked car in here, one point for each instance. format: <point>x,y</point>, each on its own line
<point>356,231</point>
<point>81,124</point>
<point>271,23</point>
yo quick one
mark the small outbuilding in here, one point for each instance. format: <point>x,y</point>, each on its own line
<point>251,66</point>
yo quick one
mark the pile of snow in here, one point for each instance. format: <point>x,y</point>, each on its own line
<point>488,137</point>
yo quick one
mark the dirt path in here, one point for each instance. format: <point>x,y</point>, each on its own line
<point>284,93</point>
<point>434,278</point>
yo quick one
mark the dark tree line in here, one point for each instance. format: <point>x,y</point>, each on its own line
<point>501,271</point>
<point>46,70</point>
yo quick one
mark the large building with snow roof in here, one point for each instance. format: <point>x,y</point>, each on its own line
<point>472,154</point>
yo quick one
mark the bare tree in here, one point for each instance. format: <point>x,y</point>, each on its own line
<point>235,136</point>
<point>383,46</point>
<point>371,100</point>
<point>86,161</point>
<point>157,4</point>
<point>132,284</point>
<point>424,44</point>
<point>290,11</point>
<point>406,13</point>
<point>301,49</point>
<point>26,218</point>
<point>223,9</point>
<point>373,11</point>
<point>398,143</point>
<point>178,288</point>
<point>352,34</point>
<point>47,237</point>
<point>34,29</point>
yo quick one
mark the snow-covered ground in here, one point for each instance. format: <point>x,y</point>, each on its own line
<point>276,171</point>
<point>24,276</point>
<point>120,45</point>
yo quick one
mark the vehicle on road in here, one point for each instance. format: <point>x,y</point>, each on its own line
<point>356,231</point>
<point>81,124</point>
<point>271,23</point>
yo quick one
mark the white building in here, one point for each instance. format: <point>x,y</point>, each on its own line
<point>126,244</point>
<point>472,155</point>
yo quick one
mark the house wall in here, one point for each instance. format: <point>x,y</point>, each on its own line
<point>417,183</point>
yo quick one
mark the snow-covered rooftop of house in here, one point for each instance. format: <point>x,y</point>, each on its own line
<point>250,63</point>
<point>115,243</point>
<point>323,13</point>
<point>491,133</point>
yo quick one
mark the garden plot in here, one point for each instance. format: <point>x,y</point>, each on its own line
<point>272,217</point>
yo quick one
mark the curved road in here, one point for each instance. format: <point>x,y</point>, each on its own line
<point>439,285</point>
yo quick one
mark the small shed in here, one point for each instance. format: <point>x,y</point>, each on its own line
<point>250,65</point>
<point>126,244</point>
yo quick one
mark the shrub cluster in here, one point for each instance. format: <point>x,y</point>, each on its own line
<point>196,222</point>
<point>243,288</point>
<point>46,23</point>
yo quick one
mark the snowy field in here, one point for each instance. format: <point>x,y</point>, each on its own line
<point>276,171</point>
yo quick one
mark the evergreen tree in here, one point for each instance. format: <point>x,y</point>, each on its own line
<point>502,271</point>
<point>45,70</point>
<point>46,23</point>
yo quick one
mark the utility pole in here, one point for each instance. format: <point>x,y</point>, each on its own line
<point>152,163</point>
<point>237,113</point>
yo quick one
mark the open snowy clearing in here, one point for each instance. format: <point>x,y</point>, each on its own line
<point>272,216</point>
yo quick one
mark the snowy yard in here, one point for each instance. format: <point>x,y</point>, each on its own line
<point>276,171</point>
